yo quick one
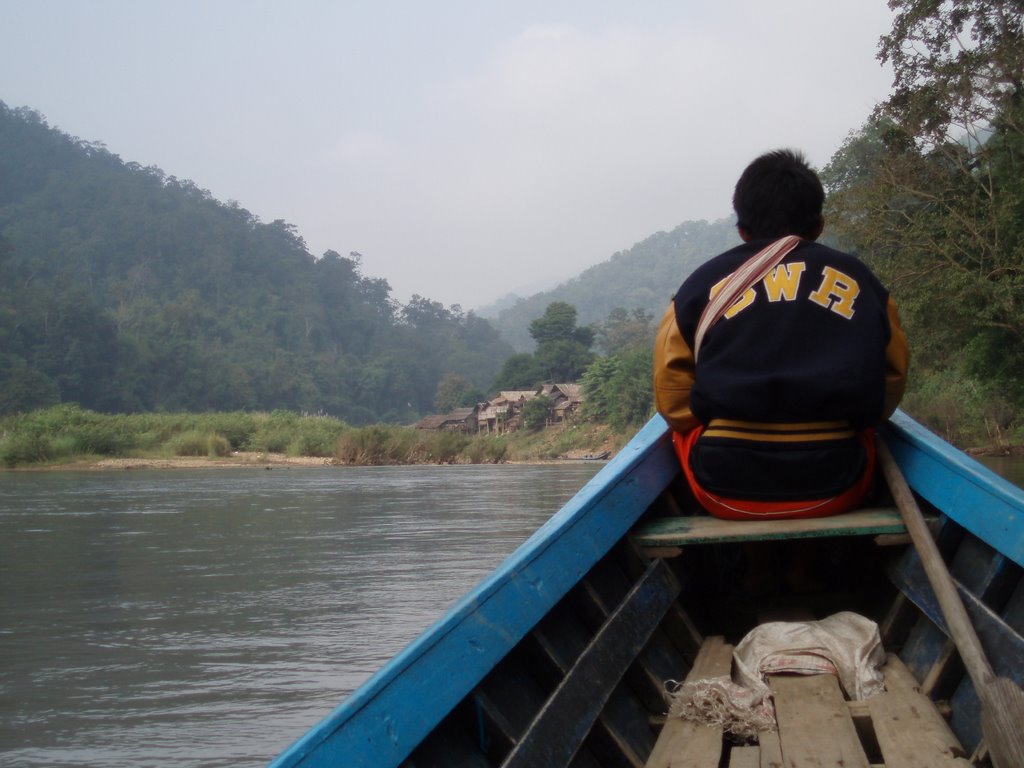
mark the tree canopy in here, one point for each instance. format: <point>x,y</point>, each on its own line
<point>562,355</point>
<point>958,67</point>
<point>931,192</point>
<point>129,290</point>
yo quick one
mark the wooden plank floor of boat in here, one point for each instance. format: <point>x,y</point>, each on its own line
<point>817,726</point>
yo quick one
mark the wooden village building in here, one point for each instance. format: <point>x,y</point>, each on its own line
<point>503,412</point>
<point>567,399</point>
<point>459,420</point>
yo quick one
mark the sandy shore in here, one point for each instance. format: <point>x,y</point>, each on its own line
<point>237,459</point>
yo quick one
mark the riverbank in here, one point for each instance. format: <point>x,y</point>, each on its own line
<point>236,459</point>
<point>254,460</point>
<point>69,438</point>
<point>996,450</point>
<point>241,459</point>
<point>258,461</point>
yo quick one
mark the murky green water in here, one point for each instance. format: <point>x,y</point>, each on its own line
<point>1010,467</point>
<point>209,618</point>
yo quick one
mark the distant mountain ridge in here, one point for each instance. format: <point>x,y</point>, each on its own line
<point>642,277</point>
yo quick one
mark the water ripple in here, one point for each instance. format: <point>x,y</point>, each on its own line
<point>208,619</point>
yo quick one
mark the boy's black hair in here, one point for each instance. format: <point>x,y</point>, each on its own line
<point>778,194</point>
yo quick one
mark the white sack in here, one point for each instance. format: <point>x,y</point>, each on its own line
<point>845,644</point>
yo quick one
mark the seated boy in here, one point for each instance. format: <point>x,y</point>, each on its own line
<point>773,398</point>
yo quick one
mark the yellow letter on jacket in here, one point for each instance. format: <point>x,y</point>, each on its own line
<point>836,292</point>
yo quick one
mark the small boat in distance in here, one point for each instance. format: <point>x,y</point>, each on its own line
<point>560,657</point>
<point>602,456</point>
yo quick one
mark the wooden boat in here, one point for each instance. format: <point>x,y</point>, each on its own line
<point>591,456</point>
<point>560,656</point>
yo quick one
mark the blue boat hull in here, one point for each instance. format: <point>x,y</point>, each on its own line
<point>451,697</point>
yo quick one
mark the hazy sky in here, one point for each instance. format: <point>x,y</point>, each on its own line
<point>466,149</point>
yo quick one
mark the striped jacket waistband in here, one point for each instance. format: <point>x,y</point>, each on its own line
<point>796,432</point>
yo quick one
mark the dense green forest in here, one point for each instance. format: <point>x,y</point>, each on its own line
<point>930,192</point>
<point>127,290</point>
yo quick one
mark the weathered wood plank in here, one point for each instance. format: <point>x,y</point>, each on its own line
<point>860,713</point>
<point>912,735</point>
<point>898,675</point>
<point>621,729</point>
<point>685,744</point>
<point>658,660</point>
<point>1001,637</point>
<point>449,745</point>
<point>682,631</point>
<point>923,647</point>
<point>946,667</point>
<point>966,718</point>
<point>910,731</point>
<point>677,626</point>
<point>892,539</point>
<point>704,529</point>
<point>744,757</point>
<point>898,620</point>
<point>1003,646</point>
<point>559,729</point>
<point>771,749</point>
<point>505,701</point>
<point>1013,613</point>
<point>815,728</point>
<point>984,571</point>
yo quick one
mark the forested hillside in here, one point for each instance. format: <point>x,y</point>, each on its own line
<point>641,278</point>
<point>128,290</point>
<point>930,192</point>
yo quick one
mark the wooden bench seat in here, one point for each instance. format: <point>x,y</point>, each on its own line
<point>817,726</point>
<point>664,534</point>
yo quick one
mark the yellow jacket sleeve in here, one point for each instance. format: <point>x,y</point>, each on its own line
<point>673,374</point>
<point>897,362</point>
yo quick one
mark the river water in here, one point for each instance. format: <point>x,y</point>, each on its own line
<point>1010,467</point>
<point>209,618</point>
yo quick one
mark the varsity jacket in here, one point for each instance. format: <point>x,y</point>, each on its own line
<point>800,364</point>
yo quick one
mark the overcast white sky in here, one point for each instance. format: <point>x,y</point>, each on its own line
<point>466,148</point>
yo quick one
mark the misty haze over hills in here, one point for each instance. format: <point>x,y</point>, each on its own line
<point>643,277</point>
<point>127,289</point>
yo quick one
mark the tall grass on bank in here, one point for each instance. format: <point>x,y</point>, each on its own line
<point>67,433</point>
<point>963,410</point>
<point>380,444</point>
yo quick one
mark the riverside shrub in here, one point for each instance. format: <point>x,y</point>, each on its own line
<point>25,448</point>
<point>195,443</point>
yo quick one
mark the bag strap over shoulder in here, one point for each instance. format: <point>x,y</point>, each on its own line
<point>739,282</point>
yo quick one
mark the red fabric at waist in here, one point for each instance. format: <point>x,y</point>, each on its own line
<point>746,509</point>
